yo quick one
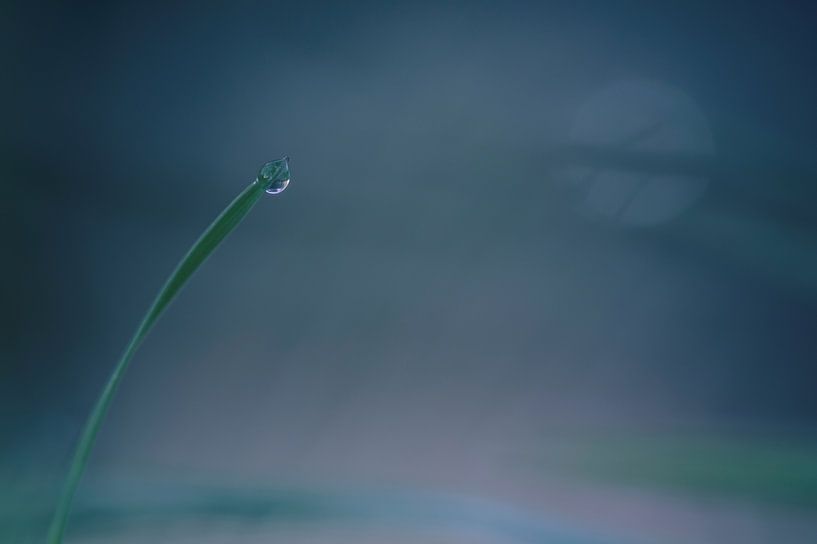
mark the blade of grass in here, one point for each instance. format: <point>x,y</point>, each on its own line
<point>204,246</point>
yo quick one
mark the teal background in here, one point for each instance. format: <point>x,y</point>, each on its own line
<point>441,303</point>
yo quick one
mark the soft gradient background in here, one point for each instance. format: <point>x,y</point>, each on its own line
<point>555,258</point>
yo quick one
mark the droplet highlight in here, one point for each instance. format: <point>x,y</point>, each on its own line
<point>274,176</point>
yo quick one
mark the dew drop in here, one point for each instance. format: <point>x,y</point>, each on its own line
<point>274,176</point>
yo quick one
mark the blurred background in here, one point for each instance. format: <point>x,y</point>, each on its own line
<point>546,272</point>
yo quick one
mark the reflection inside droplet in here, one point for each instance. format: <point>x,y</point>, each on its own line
<point>274,176</point>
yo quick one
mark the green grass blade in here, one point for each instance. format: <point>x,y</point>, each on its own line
<point>206,244</point>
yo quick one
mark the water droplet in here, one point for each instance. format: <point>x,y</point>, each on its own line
<point>274,175</point>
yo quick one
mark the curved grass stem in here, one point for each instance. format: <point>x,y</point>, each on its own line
<point>204,246</point>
